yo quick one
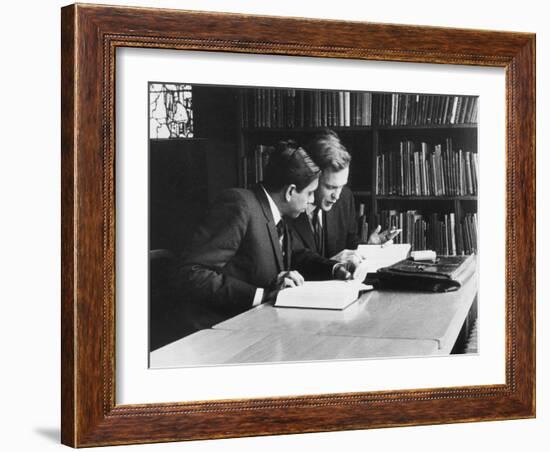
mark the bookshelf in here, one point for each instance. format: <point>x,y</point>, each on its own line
<point>414,156</point>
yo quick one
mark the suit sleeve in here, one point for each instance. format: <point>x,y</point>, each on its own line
<point>215,242</point>
<point>312,266</point>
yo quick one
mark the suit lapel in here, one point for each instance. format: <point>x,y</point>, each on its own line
<point>303,229</point>
<point>331,228</point>
<point>270,225</point>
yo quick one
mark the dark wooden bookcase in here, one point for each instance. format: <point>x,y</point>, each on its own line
<point>392,118</point>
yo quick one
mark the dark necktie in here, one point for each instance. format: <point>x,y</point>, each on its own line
<point>317,231</point>
<point>281,233</point>
<point>281,229</point>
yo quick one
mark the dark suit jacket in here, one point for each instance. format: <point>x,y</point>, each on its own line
<point>236,250</point>
<point>339,224</point>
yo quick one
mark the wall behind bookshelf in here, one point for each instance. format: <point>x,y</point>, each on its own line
<point>414,156</point>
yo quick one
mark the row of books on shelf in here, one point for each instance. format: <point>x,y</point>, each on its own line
<point>427,170</point>
<point>290,108</point>
<point>425,109</point>
<point>435,231</point>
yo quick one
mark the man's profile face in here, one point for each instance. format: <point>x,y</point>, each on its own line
<point>300,200</point>
<point>330,187</point>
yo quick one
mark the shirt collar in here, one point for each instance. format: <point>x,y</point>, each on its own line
<point>274,209</point>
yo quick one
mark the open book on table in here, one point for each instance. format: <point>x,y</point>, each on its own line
<point>331,294</point>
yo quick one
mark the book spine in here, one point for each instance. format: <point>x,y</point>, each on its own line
<point>347,108</point>
<point>452,233</point>
<point>403,168</point>
<point>475,171</point>
<point>377,181</point>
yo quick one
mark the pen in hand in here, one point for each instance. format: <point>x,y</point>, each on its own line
<point>390,234</point>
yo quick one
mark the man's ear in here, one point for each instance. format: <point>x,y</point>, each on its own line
<point>289,191</point>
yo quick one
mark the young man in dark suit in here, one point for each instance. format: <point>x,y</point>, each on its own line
<point>242,254</point>
<point>329,227</point>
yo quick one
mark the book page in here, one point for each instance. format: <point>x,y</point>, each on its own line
<point>331,294</point>
<point>378,256</point>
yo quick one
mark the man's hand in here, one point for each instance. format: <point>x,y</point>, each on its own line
<point>343,271</point>
<point>348,257</point>
<point>287,279</point>
<point>379,238</point>
<point>282,281</point>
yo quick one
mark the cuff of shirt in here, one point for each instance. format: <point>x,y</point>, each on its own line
<point>258,296</point>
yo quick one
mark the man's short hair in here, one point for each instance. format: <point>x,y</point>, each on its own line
<point>289,164</point>
<point>328,152</point>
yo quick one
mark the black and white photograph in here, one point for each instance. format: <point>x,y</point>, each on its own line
<point>293,224</point>
<point>153,306</point>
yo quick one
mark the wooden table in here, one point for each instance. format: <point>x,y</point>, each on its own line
<point>379,324</point>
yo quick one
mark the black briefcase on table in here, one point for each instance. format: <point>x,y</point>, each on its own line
<point>446,274</point>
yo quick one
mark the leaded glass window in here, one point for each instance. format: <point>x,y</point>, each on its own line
<point>170,110</point>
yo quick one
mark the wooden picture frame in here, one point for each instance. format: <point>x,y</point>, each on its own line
<point>90,36</point>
